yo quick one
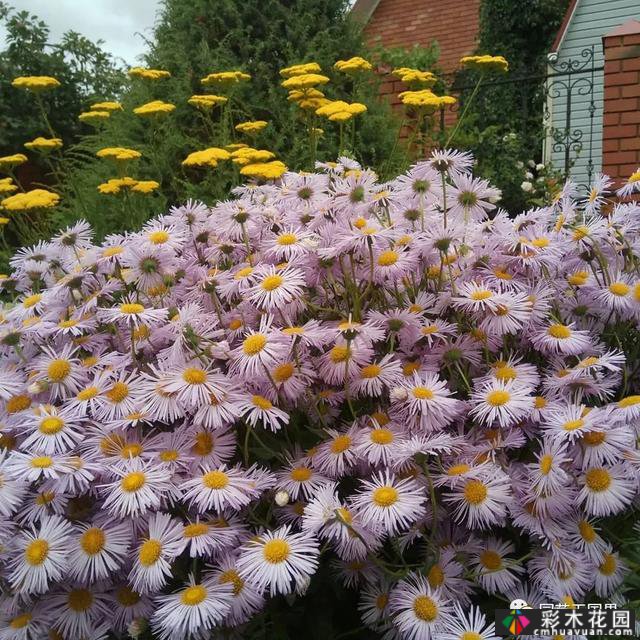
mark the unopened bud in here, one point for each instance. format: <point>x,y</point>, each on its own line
<point>77,295</point>
<point>137,627</point>
<point>282,498</point>
<point>398,394</point>
<point>37,387</point>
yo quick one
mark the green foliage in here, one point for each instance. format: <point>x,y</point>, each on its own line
<point>522,33</point>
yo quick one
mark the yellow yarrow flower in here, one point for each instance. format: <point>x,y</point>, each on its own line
<point>207,157</point>
<point>92,117</point>
<point>415,76</point>
<point>353,65</point>
<point>44,144</point>
<point>4,221</point>
<point>145,186</point>
<point>115,185</point>
<point>425,100</point>
<point>265,170</point>
<point>225,78</point>
<point>486,62</point>
<point>234,146</point>
<point>154,108</point>
<point>248,155</point>
<point>109,105</point>
<point>206,101</point>
<point>339,111</point>
<point>120,154</point>
<point>300,69</point>
<point>35,199</point>
<point>251,128</point>
<point>148,74</point>
<point>304,81</point>
<point>36,84</point>
<point>13,160</point>
<point>7,186</point>
<point>308,99</point>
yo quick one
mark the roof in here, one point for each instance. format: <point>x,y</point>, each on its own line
<point>362,10</point>
<point>631,27</point>
<point>566,21</point>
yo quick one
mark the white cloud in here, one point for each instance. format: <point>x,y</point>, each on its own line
<point>118,22</point>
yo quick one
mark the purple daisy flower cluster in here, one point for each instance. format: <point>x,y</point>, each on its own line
<point>398,380</point>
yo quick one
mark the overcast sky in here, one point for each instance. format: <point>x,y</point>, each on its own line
<point>117,22</point>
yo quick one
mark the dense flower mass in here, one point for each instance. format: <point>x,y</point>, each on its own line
<point>396,380</point>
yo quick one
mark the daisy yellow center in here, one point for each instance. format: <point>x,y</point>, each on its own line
<point>387,258</point>
<point>580,233</point>
<point>339,353</point>
<point>598,480</point>
<point>243,273</point>
<point>572,425</point>
<point>58,370</point>
<point>381,418</point>
<point>254,344</point>
<point>21,621</point>
<point>80,599</point>
<point>127,597</point>
<point>587,532</point>
<point>131,450</point>
<point>385,496</point>
<point>261,402</point>
<point>498,398</point>
<point>458,469</point>
<point>235,324</point>
<point>41,462</point>
<point>93,540</point>
<point>490,560</point>
<point>233,577</point>
<point>429,330</point>
<point>118,392</point>
<point>52,425</point>
<point>619,288</point>
<point>131,308</point>
<point>594,438</point>
<point>31,301</point>
<point>169,455</point>
<point>435,576</point>
<point>608,566</point>
<point>371,371</point>
<point>301,474</point>
<point>422,393</point>
<point>506,373</point>
<point>340,444</point>
<point>18,403</point>
<point>546,463</point>
<point>150,552</point>
<point>67,324</point>
<point>425,608</point>
<point>475,492</point>
<point>215,480</point>
<point>204,443</point>
<point>540,402</point>
<point>293,331</point>
<point>559,331</point>
<point>629,401</point>
<point>541,242</point>
<point>89,362</point>
<point>381,601</point>
<point>191,375</point>
<point>158,237</point>
<point>133,481</point>
<point>195,529</point>
<point>109,252</point>
<point>44,498</point>
<point>344,515</point>
<point>283,372</point>
<point>276,551</point>
<point>270,283</point>
<point>193,596</point>
<point>36,552</point>
<point>481,294</point>
<point>470,635</point>
<point>88,393</point>
<point>287,239</point>
<point>381,436</point>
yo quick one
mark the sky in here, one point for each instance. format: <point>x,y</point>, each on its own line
<point>117,22</point>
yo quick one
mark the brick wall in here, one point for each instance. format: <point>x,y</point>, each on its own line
<point>453,23</point>
<point>621,125</point>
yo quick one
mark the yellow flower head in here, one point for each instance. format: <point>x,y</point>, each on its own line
<point>409,76</point>
<point>225,78</point>
<point>309,99</point>
<point>35,199</point>
<point>486,63</point>
<point>265,170</point>
<point>119,154</point>
<point>425,100</point>
<point>7,186</point>
<point>251,128</point>
<point>109,105</point>
<point>300,69</point>
<point>154,108</point>
<point>36,84</point>
<point>207,157</point>
<point>44,144</point>
<point>148,74</point>
<point>234,146</point>
<point>353,65</point>
<point>248,155</point>
<point>13,160</point>
<point>115,185</point>
<point>339,111</point>
<point>304,81</point>
<point>145,186</point>
<point>206,101</point>
<point>94,117</point>
<point>4,221</point>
